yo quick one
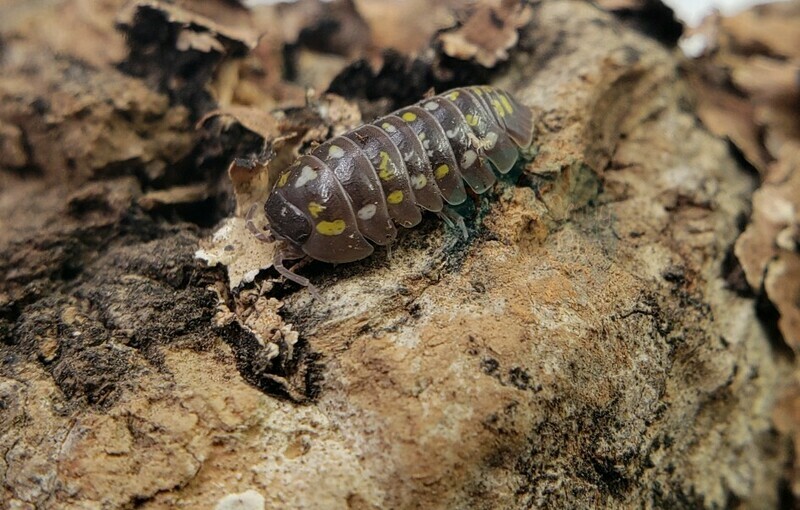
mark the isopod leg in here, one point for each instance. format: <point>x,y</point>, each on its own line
<point>288,253</point>
<point>453,220</point>
<point>251,225</point>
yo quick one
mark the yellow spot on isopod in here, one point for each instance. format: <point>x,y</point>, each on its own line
<point>409,116</point>
<point>453,95</point>
<point>498,108</point>
<point>315,208</point>
<point>441,171</point>
<point>331,228</point>
<point>477,91</point>
<point>283,179</point>
<point>506,104</point>
<point>395,197</point>
<point>385,172</point>
<point>472,120</point>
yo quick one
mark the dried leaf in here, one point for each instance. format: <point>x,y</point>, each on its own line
<point>235,247</point>
<point>782,285</point>
<point>188,194</point>
<point>781,128</point>
<point>256,120</point>
<point>767,79</point>
<point>488,33</point>
<point>728,115</point>
<point>228,35</point>
<point>406,26</point>
<point>180,51</point>
<point>204,42</point>
<point>85,121</point>
<point>619,5</point>
<point>748,91</point>
<point>251,183</point>
<point>748,88</point>
<point>769,248</point>
<point>55,28</point>
<point>768,29</point>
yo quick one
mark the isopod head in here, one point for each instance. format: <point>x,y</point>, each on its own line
<point>286,221</point>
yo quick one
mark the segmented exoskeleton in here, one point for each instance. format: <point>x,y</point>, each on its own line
<point>353,188</point>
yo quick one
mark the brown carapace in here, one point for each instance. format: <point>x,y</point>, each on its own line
<point>350,191</point>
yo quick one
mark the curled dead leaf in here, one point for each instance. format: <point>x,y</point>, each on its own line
<point>256,120</point>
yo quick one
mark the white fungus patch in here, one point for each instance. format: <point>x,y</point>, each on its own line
<point>247,500</point>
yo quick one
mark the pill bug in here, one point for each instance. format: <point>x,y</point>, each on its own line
<point>333,203</point>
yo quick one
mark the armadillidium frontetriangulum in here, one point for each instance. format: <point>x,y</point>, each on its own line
<point>354,187</point>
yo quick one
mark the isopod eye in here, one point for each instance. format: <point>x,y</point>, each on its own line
<point>286,221</point>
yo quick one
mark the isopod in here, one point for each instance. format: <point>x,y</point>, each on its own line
<point>333,203</point>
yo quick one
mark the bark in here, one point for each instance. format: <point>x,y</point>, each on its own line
<point>580,349</point>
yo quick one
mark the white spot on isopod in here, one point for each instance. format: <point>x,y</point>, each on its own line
<point>335,151</point>
<point>388,127</point>
<point>468,158</point>
<point>430,106</point>
<point>306,174</point>
<point>367,212</point>
<point>407,157</point>
<point>491,140</point>
<point>419,181</point>
<point>451,133</point>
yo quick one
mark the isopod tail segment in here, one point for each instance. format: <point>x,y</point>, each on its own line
<point>348,193</point>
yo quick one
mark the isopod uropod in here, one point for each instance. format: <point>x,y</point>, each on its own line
<point>352,190</point>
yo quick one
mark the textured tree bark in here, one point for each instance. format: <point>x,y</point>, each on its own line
<point>579,350</point>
